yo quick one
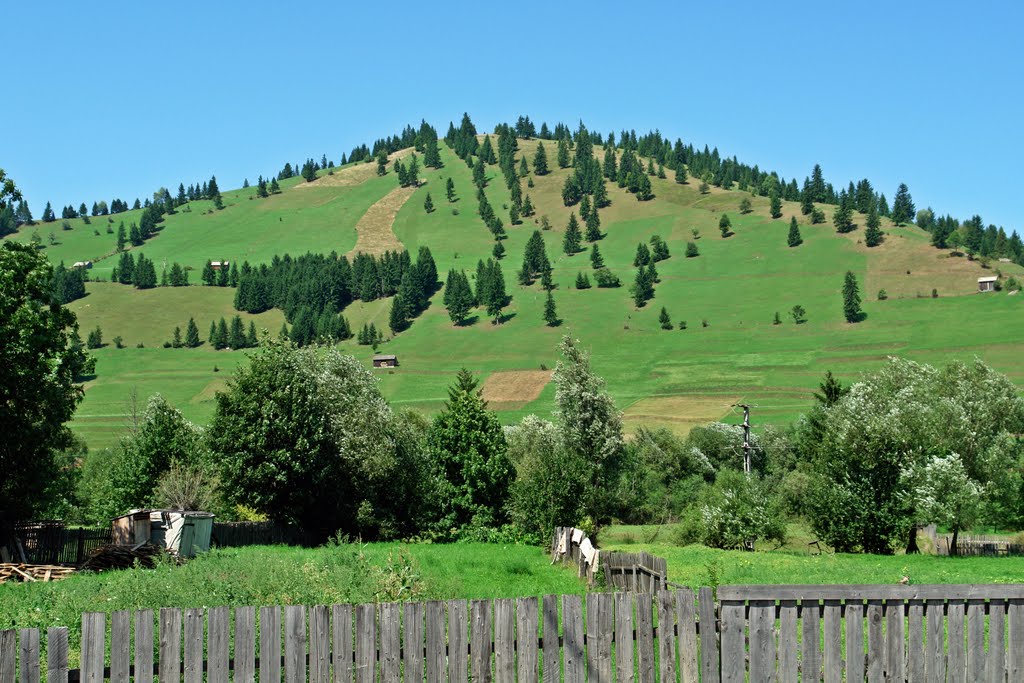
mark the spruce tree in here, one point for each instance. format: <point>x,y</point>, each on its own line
<point>563,153</point>
<point>236,335</point>
<point>176,342</point>
<point>479,174</point>
<point>251,340</point>
<point>275,188</point>
<point>902,206</point>
<point>794,239</point>
<point>692,250</point>
<point>221,338</point>
<point>121,238</point>
<point>528,209</point>
<point>681,174</point>
<point>540,160</point>
<point>449,189</point>
<point>873,233</point>
<point>498,250</point>
<point>664,319</point>
<point>724,225</point>
<point>775,204</point>
<point>851,299</point>
<point>596,261</point>
<point>582,281</point>
<point>593,226</point>
<point>550,313</point>
<point>398,319</point>
<point>745,206</point>
<point>842,217</point>
<point>428,204</point>
<point>192,334</point>
<point>572,237</point>
<point>382,163</point>
<point>524,170</point>
<point>643,255</point>
<point>610,168</point>
<point>497,299</point>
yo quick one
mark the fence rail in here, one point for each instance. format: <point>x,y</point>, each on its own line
<point>756,633</point>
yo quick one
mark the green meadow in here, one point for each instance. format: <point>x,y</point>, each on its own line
<point>730,351</point>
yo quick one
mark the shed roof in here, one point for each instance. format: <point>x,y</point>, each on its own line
<point>385,357</point>
<point>988,278</point>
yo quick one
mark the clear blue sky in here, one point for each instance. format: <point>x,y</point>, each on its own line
<point>117,99</point>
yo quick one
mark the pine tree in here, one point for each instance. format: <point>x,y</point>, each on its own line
<point>851,299</point>
<point>513,214</point>
<point>428,204</point>
<point>479,174</point>
<point>641,287</point>
<point>540,160</point>
<point>121,238</point>
<point>775,204</point>
<point>449,189</point>
<point>596,261</point>
<point>563,153</point>
<point>806,200</point>
<point>236,335</point>
<point>725,225</point>
<point>692,250</point>
<point>794,239</point>
<point>643,255</point>
<point>776,320</point>
<point>644,190</point>
<point>873,233</point>
<point>842,217</point>
<point>221,337</point>
<point>661,171</point>
<point>572,237</point>
<point>902,206</point>
<point>382,163</point>
<point>527,210</point>
<point>192,334</point>
<point>176,338</point>
<point>745,206</point>
<point>681,174</point>
<point>664,319</point>
<point>212,338</point>
<point>497,299</point>
<point>274,187</point>
<point>398,319</point>
<point>252,341</point>
<point>659,249</point>
<point>524,170</point>
<point>582,281</point>
<point>593,226</point>
<point>610,167</point>
<point>458,299</point>
<point>498,251</point>
<point>550,313</point>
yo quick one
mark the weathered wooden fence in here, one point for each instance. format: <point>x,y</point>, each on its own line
<point>637,572</point>
<point>50,542</point>
<point>238,534</point>
<point>756,633</point>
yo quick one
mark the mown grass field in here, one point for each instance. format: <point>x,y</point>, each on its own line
<point>676,378</point>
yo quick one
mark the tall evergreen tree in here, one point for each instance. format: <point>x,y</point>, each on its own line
<point>902,206</point>
<point>775,204</point>
<point>398,318</point>
<point>550,313</point>
<point>449,189</point>
<point>873,233</point>
<point>851,299</point>
<point>681,174</point>
<point>428,204</point>
<point>571,239</point>
<point>540,160</point>
<point>563,153</point>
<point>664,320</point>
<point>596,261</point>
<point>497,299</point>
<point>192,334</point>
<point>593,226</point>
<point>794,239</point>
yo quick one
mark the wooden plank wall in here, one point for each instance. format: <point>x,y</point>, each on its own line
<point>756,633</point>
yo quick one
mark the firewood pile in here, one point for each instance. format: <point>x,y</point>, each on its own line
<point>12,572</point>
<point>122,557</point>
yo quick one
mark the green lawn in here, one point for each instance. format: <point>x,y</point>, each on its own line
<point>676,378</point>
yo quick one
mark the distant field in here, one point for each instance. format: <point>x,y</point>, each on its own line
<point>675,378</point>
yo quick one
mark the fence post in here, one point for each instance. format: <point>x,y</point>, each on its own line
<point>29,646</point>
<point>57,655</point>
<point>8,656</point>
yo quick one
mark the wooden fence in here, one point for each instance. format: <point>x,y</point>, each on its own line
<point>756,633</point>
<point>238,534</point>
<point>52,543</point>
<point>637,572</point>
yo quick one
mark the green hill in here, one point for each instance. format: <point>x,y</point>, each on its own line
<point>729,352</point>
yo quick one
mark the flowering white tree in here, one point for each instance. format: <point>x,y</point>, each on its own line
<point>942,491</point>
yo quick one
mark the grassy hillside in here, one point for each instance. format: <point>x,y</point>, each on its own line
<point>676,378</point>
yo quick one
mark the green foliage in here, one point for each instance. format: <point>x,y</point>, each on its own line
<point>664,320</point>
<point>582,281</point>
<point>775,205</point>
<point>428,204</point>
<point>725,225</point>
<point>798,314</point>
<point>572,238</point>
<point>304,435</point>
<point>736,509</point>
<point>691,250</point>
<point>902,206</point>
<point>873,234</point>
<point>851,299</point>
<point>745,205</point>
<point>794,239</point>
<point>550,312</point>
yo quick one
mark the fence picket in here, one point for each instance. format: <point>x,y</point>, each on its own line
<point>412,653</point>
<point>458,641</point>
<point>320,645</point>
<point>526,641</point>
<point>709,661</point>
<point>687,641</point>
<point>93,649</point>
<point>366,643</point>
<point>895,638</point>
<point>270,645</point>
<point>245,645</point>
<point>787,640</point>
<point>995,667</point>
<point>193,652</point>
<point>435,642</point>
<point>833,654</point>
<point>666,636</point>
<point>734,648</point>
<point>956,669</point>
<point>854,640</point>
<point>624,659</point>
<point>504,641</point>
<point>915,642</point>
<point>935,662</point>
<point>120,646</point>
<point>57,655</point>
<point>645,638</point>
<point>572,647</point>
<point>552,668</point>
<point>810,642</point>
<point>28,646</point>
<point>219,644</point>
<point>762,640</point>
<point>295,644</point>
<point>8,655</point>
<point>975,640</point>
<point>1016,644</point>
<point>876,642</point>
<point>480,641</point>
<point>390,642</point>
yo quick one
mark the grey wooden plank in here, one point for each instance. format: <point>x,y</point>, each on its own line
<point>320,644</point>
<point>245,645</point>
<point>854,640</point>
<point>624,651</point>
<point>734,648</point>
<point>876,641</point>
<point>895,639</point>
<point>8,655</point>
<point>194,645</point>
<point>1015,646</point>
<point>871,591</point>
<point>219,644</point>
<point>435,642</point>
<point>366,643</point>
<point>480,641</point>
<point>915,642</point>
<point>295,644</point>
<point>120,646</point>
<point>93,647</point>
<point>687,626</point>
<point>935,660</point>
<point>458,641</point>
<point>574,657</point>
<point>412,639</point>
<point>592,625</point>
<point>762,640</point>
<point>810,640</point>
<point>666,635</point>
<point>995,667</point>
<point>170,645</point>
<point>832,650</point>
<point>57,655</point>
<point>975,640</point>
<point>552,652</point>
<point>270,645</point>
<point>645,638</point>
<point>504,641</point>
<point>605,608</point>
<point>144,646</point>
<point>341,643</point>
<point>28,646</point>
<point>956,659</point>
<point>709,662</point>
<point>787,640</point>
<point>527,661</point>
<point>390,643</point>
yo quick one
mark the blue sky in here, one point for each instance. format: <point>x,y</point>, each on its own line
<point>116,99</point>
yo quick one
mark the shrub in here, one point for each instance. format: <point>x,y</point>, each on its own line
<point>736,509</point>
<point>882,295</point>
<point>606,278</point>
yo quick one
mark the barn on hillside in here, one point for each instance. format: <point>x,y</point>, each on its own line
<point>987,284</point>
<point>217,265</point>
<point>385,361</point>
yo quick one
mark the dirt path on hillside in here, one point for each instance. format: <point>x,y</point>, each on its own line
<point>375,235</point>
<point>354,175</point>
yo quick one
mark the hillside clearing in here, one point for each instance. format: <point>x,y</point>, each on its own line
<point>374,229</point>
<point>511,389</point>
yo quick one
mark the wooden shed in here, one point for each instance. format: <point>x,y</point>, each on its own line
<point>385,361</point>
<point>217,265</point>
<point>85,265</point>
<point>987,284</point>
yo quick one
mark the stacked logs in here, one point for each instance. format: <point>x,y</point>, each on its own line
<point>122,557</point>
<point>33,572</point>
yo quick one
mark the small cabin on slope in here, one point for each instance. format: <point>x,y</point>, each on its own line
<point>385,361</point>
<point>217,265</point>
<point>86,265</point>
<point>987,284</point>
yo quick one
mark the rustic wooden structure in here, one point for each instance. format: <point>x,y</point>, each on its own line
<point>757,633</point>
<point>385,360</point>
<point>987,284</point>
<point>641,572</point>
<point>237,534</point>
<point>50,542</point>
